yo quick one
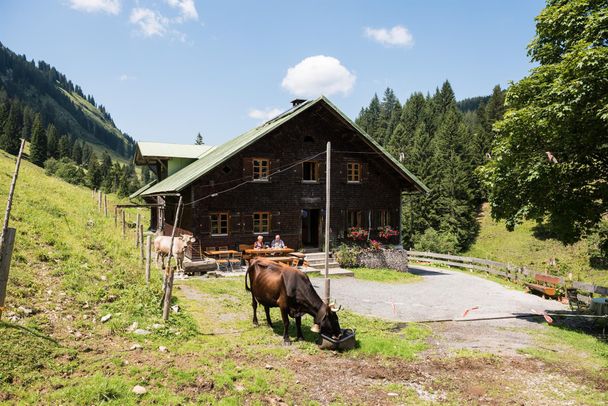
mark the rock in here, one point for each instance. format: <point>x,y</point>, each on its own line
<point>103,278</point>
<point>392,394</point>
<point>156,326</point>
<point>141,332</point>
<point>136,346</point>
<point>106,317</point>
<point>133,327</point>
<point>25,311</point>
<point>268,367</point>
<point>175,308</point>
<point>13,319</point>
<point>163,349</point>
<point>139,390</point>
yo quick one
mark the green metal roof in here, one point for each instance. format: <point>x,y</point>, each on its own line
<point>153,150</point>
<point>181,179</point>
<point>142,189</point>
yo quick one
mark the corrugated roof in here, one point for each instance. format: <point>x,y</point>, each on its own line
<point>164,150</point>
<point>181,179</point>
<point>142,189</point>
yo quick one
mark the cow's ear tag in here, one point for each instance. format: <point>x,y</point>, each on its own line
<point>315,328</point>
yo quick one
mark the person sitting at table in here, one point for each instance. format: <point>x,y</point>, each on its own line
<point>277,242</point>
<point>259,243</point>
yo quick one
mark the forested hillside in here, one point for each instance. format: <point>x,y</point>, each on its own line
<point>71,135</point>
<point>441,141</point>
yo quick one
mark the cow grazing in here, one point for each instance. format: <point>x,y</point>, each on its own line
<point>277,285</point>
<point>162,244</point>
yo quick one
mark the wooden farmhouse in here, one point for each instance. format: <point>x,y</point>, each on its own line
<point>271,180</point>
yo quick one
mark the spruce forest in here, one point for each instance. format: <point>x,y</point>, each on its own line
<point>69,134</point>
<point>443,142</point>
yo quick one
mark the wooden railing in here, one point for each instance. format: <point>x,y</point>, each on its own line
<point>509,271</point>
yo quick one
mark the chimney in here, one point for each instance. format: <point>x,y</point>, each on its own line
<point>297,102</point>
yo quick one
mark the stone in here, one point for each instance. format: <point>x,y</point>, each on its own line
<point>392,394</point>
<point>156,326</point>
<point>141,332</point>
<point>268,367</point>
<point>136,346</point>
<point>133,327</point>
<point>139,390</point>
<point>163,349</point>
<point>106,317</point>
<point>25,311</point>
<point>175,308</point>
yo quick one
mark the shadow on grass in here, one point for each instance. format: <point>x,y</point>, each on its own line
<point>31,331</point>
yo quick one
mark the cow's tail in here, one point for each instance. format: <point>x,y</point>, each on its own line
<point>247,287</point>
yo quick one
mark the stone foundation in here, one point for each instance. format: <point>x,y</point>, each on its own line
<point>383,258</point>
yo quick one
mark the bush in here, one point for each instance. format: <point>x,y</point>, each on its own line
<point>346,255</point>
<point>434,241</point>
<point>66,170</point>
<point>598,244</point>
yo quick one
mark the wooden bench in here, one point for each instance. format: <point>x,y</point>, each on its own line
<point>545,284</point>
<point>578,300</point>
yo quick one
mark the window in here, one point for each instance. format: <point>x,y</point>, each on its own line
<point>261,222</point>
<point>310,171</point>
<point>383,218</point>
<point>260,169</point>
<point>353,172</point>
<point>353,218</point>
<point>219,223</point>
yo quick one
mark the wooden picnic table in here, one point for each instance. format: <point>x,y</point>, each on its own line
<point>286,260</point>
<point>221,252</point>
<point>268,251</point>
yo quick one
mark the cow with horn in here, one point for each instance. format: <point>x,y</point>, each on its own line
<point>277,285</point>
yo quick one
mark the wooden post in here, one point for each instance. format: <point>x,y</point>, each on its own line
<point>115,216</point>
<point>105,205</point>
<point>140,233</point>
<point>11,192</point>
<point>137,222</point>
<point>5,263</point>
<point>99,200</point>
<point>124,224</point>
<point>148,258</point>
<point>169,275</point>
<point>327,208</point>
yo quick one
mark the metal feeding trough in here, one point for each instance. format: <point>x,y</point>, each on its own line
<point>345,342</point>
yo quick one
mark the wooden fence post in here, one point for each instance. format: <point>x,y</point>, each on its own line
<point>148,258</point>
<point>140,233</point>
<point>105,205</point>
<point>115,216</point>
<point>99,200</point>
<point>169,272</point>
<point>5,263</point>
<point>137,223</point>
<point>124,224</point>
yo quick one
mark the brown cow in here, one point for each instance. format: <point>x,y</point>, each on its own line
<point>162,244</point>
<point>278,285</point>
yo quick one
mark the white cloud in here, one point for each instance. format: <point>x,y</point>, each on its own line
<point>187,9</point>
<point>149,22</point>
<point>93,6</point>
<point>124,77</point>
<point>265,114</point>
<point>396,36</point>
<point>317,75</point>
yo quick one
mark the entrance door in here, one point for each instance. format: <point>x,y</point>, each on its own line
<point>310,227</point>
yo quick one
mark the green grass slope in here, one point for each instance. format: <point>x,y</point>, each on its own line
<point>521,247</point>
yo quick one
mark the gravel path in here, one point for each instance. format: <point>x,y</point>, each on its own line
<point>444,294</point>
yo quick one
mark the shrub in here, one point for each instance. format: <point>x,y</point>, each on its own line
<point>598,244</point>
<point>434,241</point>
<point>346,255</point>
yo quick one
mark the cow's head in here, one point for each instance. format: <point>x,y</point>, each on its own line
<point>327,322</point>
<point>188,239</point>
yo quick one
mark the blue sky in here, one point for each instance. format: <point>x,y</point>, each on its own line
<point>167,69</point>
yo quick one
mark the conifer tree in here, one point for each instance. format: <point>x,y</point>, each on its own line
<point>64,146</point>
<point>77,153</point>
<point>11,131</point>
<point>94,175</point>
<point>52,142</point>
<point>199,139</point>
<point>38,143</point>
